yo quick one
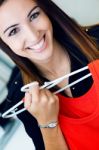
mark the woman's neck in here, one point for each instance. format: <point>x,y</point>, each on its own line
<point>58,65</point>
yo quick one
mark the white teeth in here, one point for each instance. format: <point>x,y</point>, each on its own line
<point>39,45</point>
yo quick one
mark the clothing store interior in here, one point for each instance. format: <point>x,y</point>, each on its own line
<point>12,132</point>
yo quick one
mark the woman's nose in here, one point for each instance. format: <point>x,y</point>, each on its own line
<point>31,34</point>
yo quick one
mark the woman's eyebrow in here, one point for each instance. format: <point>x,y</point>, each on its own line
<point>10,27</point>
<point>18,24</point>
<point>31,11</point>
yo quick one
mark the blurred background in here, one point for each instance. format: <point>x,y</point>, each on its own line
<point>12,132</point>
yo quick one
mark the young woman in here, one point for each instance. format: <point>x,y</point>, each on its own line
<point>46,44</point>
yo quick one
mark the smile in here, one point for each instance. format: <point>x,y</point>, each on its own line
<point>39,46</point>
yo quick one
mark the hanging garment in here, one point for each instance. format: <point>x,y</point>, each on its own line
<point>79,117</point>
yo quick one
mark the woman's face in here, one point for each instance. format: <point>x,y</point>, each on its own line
<point>26,29</point>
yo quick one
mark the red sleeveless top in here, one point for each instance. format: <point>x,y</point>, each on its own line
<point>79,117</point>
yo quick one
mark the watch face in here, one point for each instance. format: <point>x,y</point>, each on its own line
<point>52,125</point>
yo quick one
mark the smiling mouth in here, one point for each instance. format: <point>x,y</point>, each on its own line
<point>39,46</point>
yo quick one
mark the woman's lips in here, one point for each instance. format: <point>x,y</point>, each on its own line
<point>39,46</point>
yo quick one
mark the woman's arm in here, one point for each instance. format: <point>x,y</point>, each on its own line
<point>53,139</point>
<point>44,106</point>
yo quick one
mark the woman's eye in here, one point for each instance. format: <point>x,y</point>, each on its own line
<point>35,15</point>
<point>13,32</point>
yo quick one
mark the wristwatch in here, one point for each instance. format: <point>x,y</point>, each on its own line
<point>52,124</point>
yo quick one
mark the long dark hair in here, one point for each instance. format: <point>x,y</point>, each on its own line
<point>66,31</point>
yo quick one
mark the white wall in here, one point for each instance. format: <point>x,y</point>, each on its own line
<point>86,12</point>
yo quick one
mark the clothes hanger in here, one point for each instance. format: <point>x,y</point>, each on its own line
<point>14,110</point>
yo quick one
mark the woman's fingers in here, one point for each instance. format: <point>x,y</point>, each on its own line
<point>27,100</point>
<point>42,104</point>
<point>34,91</point>
<point>51,96</point>
<point>32,97</point>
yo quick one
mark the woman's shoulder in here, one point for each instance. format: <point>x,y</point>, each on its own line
<point>93,32</point>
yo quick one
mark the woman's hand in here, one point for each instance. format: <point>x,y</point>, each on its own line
<point>42,104</point>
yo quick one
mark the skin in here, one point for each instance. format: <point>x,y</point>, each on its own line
<point>29,31</point>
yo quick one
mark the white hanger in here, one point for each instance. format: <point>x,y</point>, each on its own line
<point>47,85</point>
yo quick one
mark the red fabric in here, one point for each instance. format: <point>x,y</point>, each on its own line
<point>79,117</point>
